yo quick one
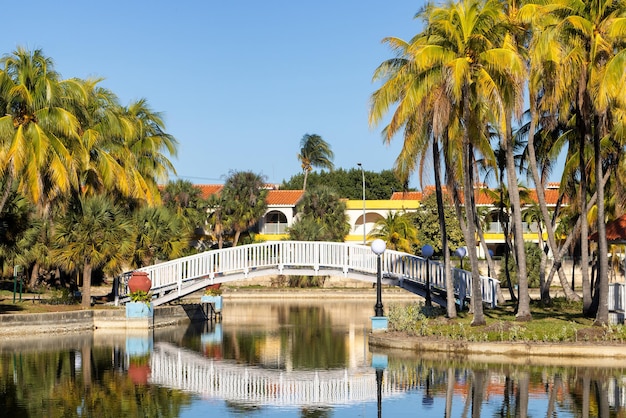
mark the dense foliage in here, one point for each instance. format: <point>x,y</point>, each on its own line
<point>428,231</point>
<point>349,183</point>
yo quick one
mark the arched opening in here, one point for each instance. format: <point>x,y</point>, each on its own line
<point>368,225</point>
<point>275,222</point>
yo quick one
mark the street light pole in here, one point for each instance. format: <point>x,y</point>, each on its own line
<point>378,247</point>
<point>363,181</point>
<point>427,252</point>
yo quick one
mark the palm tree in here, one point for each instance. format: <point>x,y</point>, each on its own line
<point>577,66</point>
<point>244,196</point>
<point>146,160</point>
<point>462,58</point>
<point>94,233</point>
<point>185,199</point>
<point>397,230</point>
<point>314,152</point>
<point>321,217</point>
<point>216,221</point>
<point>39,146</point>
<point>160,235</point>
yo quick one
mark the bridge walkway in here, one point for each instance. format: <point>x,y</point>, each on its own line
<point>177,278</point>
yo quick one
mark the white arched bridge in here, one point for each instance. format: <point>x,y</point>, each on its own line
<point>180,277</point>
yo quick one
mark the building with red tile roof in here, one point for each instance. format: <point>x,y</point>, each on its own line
<point>281,211</point>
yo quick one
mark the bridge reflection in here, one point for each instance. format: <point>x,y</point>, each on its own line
<point>182,369</point>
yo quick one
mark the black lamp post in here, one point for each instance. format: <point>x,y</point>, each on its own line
<point>427,252</point>
<point>378,247</point>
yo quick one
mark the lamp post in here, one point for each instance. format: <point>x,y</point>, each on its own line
<point>461,251</point>
<point>363,182</point>
<point>427,252</point>
<point>378,247</point>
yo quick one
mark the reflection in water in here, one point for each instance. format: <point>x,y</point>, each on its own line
<point>292,359</point>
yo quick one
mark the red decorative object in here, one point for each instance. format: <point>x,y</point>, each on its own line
<point>139,280</point>
<point>215,286</point>
<point>139,373</point>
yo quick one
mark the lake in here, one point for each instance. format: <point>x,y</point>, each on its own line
<point>288,358</point>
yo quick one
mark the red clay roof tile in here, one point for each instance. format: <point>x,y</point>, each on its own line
<point>284,197</point>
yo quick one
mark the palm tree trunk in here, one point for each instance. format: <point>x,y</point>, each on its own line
<point>470,211</point>
<point>470,230</point>
<point>602,317</point>
<point>86,289</point>
<point>523,304</point>
<point>306,174</point>
<point>584,226</point>
<point>236,237</point>
<point>447,270</point>
<point>575,233</point>
<point>532,163</point>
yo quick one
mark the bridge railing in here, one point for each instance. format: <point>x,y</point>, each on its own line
<point>214,266</point>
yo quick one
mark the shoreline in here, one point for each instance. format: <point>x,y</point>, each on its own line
<point>12,324</point>
<point>602,354</point>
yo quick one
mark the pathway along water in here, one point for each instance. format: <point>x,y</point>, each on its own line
<point>284,358</point>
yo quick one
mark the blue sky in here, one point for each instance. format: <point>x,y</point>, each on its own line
<point>238,82</point>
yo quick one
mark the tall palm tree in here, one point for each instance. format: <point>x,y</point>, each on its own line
<point>461,54</point>
<point>397,230</point>
<point>579,50</point>
<point>102,132</point>
<point>94,233</point>
<point>314,152</point>
<point>146,161</point>
<point>39,146</point>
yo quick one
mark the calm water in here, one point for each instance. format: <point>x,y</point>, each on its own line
<point>306,359</point>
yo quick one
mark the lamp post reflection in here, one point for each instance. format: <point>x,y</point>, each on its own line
<point>379,362</point>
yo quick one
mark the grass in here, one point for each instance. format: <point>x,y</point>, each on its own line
<point>561,322</point>
<point>40,302</point>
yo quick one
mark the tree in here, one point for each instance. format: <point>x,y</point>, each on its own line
<point>425,219</point>
<point>94,233</point>
<point>314,152</point>
<point>185,199</point>
<point>454,73</point>
<point>397,230</point>
<point>321,217</point>
<point>244,198</point>
<point>160,235</point>
<point>578,58</point>
<point>39,146</point>
<point>349,183</point>
<point>146,161</point>
<point>216,221</point>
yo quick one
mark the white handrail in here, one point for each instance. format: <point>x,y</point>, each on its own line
<point>188,274</point>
